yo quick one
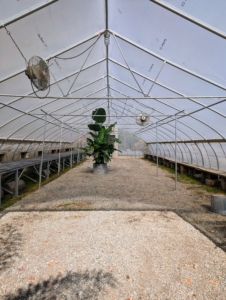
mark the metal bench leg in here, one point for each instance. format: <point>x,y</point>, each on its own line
<point>16,183</point>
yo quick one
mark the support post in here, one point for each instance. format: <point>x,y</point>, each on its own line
<point>71,152</point>
<point>175,152</point>
<point>0,189</point>
<point>157,159</point>
<point>47,169</point>
<point>135,150</point>
<point>16,183</point>
<point>43,145</point>
<point>78,155</point>
<point>63,163</point>
<point>60,146</point>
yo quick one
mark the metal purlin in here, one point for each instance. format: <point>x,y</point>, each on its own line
<point>74,123</point>
<point>168,61</point>
<point>200,135</point>
<point>193,130</point>
<point>204,146</point>
<point>29,145</point>
<point>107,55</point>
<point>29,12</point>
<point>41,126</point>
<point>163,115</point>
<point>171,125</point>
<point>56,110</point>
<point>41,106</point>
<point>54,55</point>
<point>191,141</point>
<point>157,119</point>
<point>128,65</point>
<point>183,153</point>
<point>21,111</point>
<point>183,132</point>
<point>191,116</point>
<point>82,66</point>
<point>207,155</point>
<point>191,19</point>
<point>168,88</point>
<point>28,112</point>
<point>43,145</point>
<point>72,117</point>
<point>61,131</point>
<point>179,147</point>
<point>188,114</point>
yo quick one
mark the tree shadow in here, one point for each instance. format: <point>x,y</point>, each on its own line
<point>86,285</point>
<point>10,244</point>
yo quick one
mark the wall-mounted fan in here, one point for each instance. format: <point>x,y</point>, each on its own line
<point>143,119</point>
<point>38,72</point>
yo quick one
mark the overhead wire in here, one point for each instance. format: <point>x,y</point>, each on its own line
<point>37,94</point>
<point>9,34</point>
<point>66,58</point>
<point>26,62</point>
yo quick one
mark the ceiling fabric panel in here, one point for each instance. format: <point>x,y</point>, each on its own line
<point>11,9</point>
<point>202,10</point>
<point>38,34</point>
<point>173,38</point>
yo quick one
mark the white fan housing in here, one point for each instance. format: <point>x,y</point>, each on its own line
<point>142,119</point>
<point>38,72</point>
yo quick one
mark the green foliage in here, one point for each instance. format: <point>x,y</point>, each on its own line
<point>99,116</point>
<point>94,127</point>
<point>101,147</point>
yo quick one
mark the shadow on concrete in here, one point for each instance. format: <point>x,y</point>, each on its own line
<point>77,286</point>
<point>10,245</point>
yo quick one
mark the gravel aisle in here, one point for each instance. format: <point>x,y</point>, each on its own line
<point>109,255</point>
<point>56,250</point>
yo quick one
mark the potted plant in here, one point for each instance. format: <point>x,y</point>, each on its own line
<point>101,147</point>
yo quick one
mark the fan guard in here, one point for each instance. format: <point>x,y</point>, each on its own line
<point>38,72</point>
<point>142,119</point>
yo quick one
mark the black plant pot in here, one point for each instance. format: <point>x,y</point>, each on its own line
<point>100,169</point>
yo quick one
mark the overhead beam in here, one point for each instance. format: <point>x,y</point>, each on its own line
<point>15,140</point>
<point>54,55</point>
<point>27,13</point>
<point>121,98</point>
<point>166,87</point>
<point>191,19</point>
<point>107,56</point>
<point>168,61</point>
<point>193,141</point>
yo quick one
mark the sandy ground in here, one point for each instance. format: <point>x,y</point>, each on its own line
<point>119,236</point>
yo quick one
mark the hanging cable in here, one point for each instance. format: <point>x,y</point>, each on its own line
<point>37,94</point>
<point>9,34</point>
<point>65,58</point>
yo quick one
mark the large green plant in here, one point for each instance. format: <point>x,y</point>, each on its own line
<point>101,147</point>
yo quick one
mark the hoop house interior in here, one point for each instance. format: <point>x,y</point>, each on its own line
<point>165,58</point>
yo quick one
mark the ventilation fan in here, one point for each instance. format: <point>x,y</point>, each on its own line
<point>38,72</point>
<point>143,119</point>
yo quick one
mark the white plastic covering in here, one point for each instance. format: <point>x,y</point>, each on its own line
<point>162,55</point>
